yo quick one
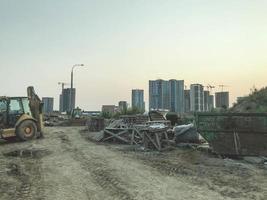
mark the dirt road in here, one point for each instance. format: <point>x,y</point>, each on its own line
<point>66,165</point>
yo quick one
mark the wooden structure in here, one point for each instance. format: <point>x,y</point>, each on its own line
<point>133,130</point>
<point>132,120</point>
<point>156,139</point>
<point>96,124</point>
<point>123,135</point>
<point>150,138</point>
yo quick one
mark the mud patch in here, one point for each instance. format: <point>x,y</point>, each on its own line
<point>25,179</point>
<point>64,139</point>
<point>13,170</point>
<point>23,186</point>
<point>28,153</point>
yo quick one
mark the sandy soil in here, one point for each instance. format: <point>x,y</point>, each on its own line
<point>66,165</point>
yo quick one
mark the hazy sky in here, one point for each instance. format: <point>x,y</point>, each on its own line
<point>124,43</point>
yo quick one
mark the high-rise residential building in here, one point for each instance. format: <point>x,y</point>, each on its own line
<point>186,101</point>
<point>196,98</point>
<point>48,104</point>
<point>166,95</point>
<point>159,95</point>
<point>68,105</point>
<point>206,100</point>
<point>61,103</point>
<point>123,105</point>
<point>138,99</point>
<point>222,99</point>
<point>211,103</point>
<point>176,98</point>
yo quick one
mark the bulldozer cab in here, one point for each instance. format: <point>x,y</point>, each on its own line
<point>11,110</point>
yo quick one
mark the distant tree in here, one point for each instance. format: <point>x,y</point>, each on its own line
<point>134,111</point>
<point>127,111</point>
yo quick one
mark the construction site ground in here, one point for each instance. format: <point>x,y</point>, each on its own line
<point>67,165</point>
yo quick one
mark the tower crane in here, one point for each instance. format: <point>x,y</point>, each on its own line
<point>223,86</point>
<point>61,95</point>
<point>62,84</point>
<point>210,87</point>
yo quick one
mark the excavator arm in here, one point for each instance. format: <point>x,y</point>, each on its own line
<point>36,107</point>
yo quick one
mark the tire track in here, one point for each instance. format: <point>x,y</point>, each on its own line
<point>99,171</point>
<point>231,177</point>
<point>26,170</point>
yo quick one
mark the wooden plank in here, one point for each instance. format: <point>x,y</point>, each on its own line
<point>115,134</point>
<point>158,141</point>
<point>153,142</point>
<point>166,138</point>
<point>138,132</point>
<point>132,138</point>
<point>166,135</point>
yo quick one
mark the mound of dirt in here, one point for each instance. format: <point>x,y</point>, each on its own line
<point>255,102</point>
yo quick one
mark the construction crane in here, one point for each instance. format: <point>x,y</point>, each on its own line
<point>61,95</point>
<point>62,85</point>
<point>210,87</point>
<point>223,86</point>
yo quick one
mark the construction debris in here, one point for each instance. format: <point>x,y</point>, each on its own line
<point>156,115</point>
<point>131,120</point>
<point>95,124</point>
<point>122,135</point>
<point>186,133</point>
<point>156,137</point>
<point>136,130</point>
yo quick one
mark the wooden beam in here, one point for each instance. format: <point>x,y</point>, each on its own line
<point>114,135</point>
<point>158,140</point>
<point>153,142</point>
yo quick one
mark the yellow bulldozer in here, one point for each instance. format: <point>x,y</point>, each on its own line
<point>21,117</point>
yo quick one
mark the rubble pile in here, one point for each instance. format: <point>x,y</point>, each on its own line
<point>54,120</point>
<point>134,119</point>
<point>138,130</point>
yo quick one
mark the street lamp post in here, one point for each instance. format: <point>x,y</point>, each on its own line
<point>71,87</point>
